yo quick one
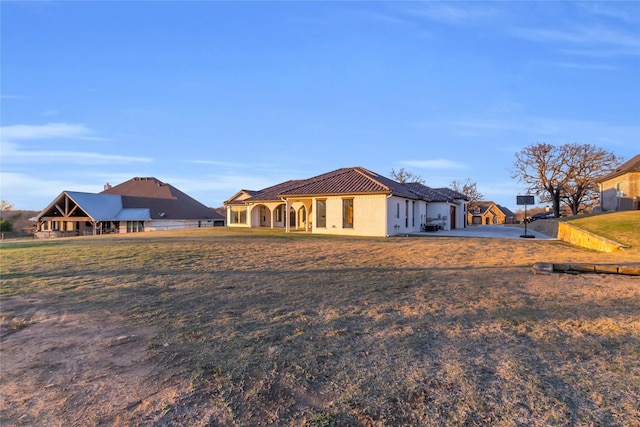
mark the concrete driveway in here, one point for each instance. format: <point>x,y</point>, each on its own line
<point>495,231</point>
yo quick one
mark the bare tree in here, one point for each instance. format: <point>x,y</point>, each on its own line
<point>403,176</point>
<point>4,207</point>
<point>586,163</point>
<point>469,189</point>
<point>562,173</point>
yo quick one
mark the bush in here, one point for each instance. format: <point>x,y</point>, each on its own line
<point>5,226</point>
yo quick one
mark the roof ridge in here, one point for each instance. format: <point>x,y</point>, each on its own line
<point>361,171</point>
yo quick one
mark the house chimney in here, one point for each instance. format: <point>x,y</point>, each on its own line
<point>107,186</point>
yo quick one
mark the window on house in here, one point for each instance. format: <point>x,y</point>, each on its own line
<point>413,217</point>
<point>135,226</point>
<point>279,211</point>
<point>321,213</point>
<point>238,215</point>
<point>397,210</point>
<point>406,213</point>
<point>347,213</point>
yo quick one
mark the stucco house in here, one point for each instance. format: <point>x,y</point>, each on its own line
<point>488,212</point>
<point>137,205</point>
<point>620,189</point>
<point>349,201</point>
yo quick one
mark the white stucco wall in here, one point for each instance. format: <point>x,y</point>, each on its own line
<point>438,213</point>
<point>369,216</point>
<point>397,223</point>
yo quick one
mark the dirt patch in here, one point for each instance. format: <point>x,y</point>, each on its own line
<point>76,368</point>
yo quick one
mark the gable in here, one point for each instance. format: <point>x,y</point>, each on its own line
<point>632,165</point>
<point>70,204</point>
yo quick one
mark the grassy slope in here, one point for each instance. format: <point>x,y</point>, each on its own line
<point>299,330</point>
<point>622,227</point>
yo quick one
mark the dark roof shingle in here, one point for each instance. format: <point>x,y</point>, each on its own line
<point>163,200</point>
<point>632,165</point>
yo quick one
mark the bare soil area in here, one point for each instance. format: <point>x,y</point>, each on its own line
<point>62,368</point>
<point>237,329</point>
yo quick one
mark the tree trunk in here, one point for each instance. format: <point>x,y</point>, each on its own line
<point>555,193</point>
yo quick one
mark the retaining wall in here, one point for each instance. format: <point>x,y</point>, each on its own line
<point>574,235</point>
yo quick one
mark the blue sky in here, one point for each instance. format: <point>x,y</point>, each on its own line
<point>212,97</point>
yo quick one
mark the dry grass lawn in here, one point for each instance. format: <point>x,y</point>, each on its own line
<point>243,328</point>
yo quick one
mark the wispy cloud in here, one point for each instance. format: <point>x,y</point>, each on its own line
<point>594,36</point>
<point>47,131</point>
<point>451,14</point>
<point>11,96</point>
<point>13,150</point>
<point>552,130</point>
<point>31,192</point>
<point>581,66</point>
<point>12,154</point>
<point>608,10</point>
<point>434,164</point>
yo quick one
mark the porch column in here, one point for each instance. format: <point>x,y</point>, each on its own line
<point>287,220</point>
<point>273,216</point>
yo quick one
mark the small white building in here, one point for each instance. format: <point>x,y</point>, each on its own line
<point>349,201</point>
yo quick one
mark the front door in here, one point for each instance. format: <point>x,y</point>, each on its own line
<point>263,216</point>
<point>453,217</point>
<point>292,218</point>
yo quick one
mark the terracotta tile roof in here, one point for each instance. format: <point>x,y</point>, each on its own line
<point>451,194</point>
<point>353,180</point>
<point>273,193</point>
<point>162,200</point>
<point>426,193</point>
<point>632,165</point>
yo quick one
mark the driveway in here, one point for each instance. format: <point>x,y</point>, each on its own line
<point>496,231</point>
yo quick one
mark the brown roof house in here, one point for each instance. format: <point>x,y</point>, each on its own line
<point>349,201</point>
<point>486,213</point>
<point>620,189</point>
<point>137,205</point>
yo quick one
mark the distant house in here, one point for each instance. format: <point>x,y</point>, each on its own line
<point>620,189</point>
<point>137,205</point>
<point>349,201</point>
<point>487,212</point>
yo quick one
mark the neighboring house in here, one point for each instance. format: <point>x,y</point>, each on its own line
<point>137,205</point>
<point>620,189</point>
<point>348,201</point>
<point>487,212</point>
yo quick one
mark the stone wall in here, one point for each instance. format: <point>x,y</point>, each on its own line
<point>574,235</point>
<point>545,226</point>
<point>579,237</point>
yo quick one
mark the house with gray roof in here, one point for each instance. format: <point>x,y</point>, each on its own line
<point>348,201</point>
<point>137,205</point>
